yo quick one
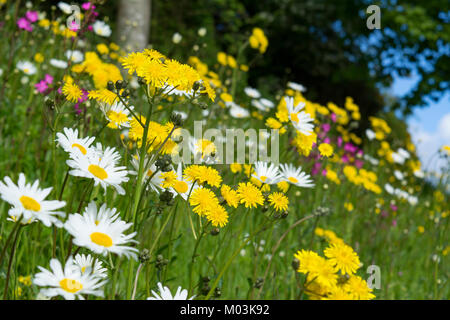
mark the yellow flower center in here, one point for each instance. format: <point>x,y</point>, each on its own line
<point>294,117</point>
<point>80,147</point>
<point>70,285</point>
<point>149,173</point>
<point>101,239</point>
<point>181,187</point>
<point>116,118</point>
<point>26,70</point>
<point>263,178</point>
<point>97,171</point>
<point>292,179</point>
<point>30,204</point>
<point>83,269</point>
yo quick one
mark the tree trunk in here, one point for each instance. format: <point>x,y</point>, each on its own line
<point>133,24</point>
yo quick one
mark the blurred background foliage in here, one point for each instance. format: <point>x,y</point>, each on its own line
<point>323,44</point>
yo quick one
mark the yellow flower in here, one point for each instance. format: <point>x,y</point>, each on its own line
<point>332,176</point>
<point>235,167</point>
<point>348,206</point>
<point>222,58</point>
<point>343,258</point>
<point>446,148</point>
<point>250,195</point>
<point>420,229</point>
<point>279,201</point>
<point>102,48</point>
<point>304,143</point>
<point>326,149</point>
<point>226,97</point>
<point>230,196</point>
<point>169,179</point>
<point>72,92</point>
<point>25,280</point>
<point>38,57</point>
<point>203,174</point>
<point>244,67</point>
<point>103,95</point>
<point>44,23</point>
<point>358,288</point>
<point>231,62</point>
<point>317,268</point>
<point>217,215</point>
<point>283,186</point>
<point>202,199</point>
<point>114,46</point>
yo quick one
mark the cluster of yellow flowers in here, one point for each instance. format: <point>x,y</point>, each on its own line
<point>162,72</point>
<point>380,128</point>
<point>333,277</point>
<point>157,136</point>
<point>258,40</point>
<point>362,177</point>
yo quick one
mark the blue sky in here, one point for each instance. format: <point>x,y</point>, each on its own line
<point>429,126</point>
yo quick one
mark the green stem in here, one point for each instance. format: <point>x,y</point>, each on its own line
<point>230,260</point>
<point>8,274</point>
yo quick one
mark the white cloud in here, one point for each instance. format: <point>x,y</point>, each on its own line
<point>428,143</point>
<point>444,127</point>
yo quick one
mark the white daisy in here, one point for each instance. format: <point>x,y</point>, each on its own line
<point>295,176</point>
<point>69,282</point>
<point>389,189</point>
<point>398,158</point>
<point>265,173</point>
<point>28,202</point>
<point>267,103</point>
<point>117,114</point>
<point>101,28</point>
<point>156,179</point>
<point>252,93</point>
<point>176,38</point>
<point>87,264</point>
<point>100,167</point>
<point>59,63</point>
<point>300,119</point>
<point>101,231</point>
<point>296,86</point>
<point>165,294</point>
<point>65,7</point>
<point>26,67</point>
<point>75,56</point>
<point>399,175</point>
<point>70,142</point>
<point>258,105</point>
<point>239,112</point>
<point>370,134</point>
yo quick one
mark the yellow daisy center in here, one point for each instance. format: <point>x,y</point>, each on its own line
<point>101,239</point>
<point>30,204</point>
<point>80,147</point>
<point>292,179</point>
<point>263,178</point>
<point>70,285</point>
<point>83,269</point>
<point>181,187</point>
<point>294,117</point>
<point>97,171</point>
<point>149,173</point>
<point>26,70</point>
